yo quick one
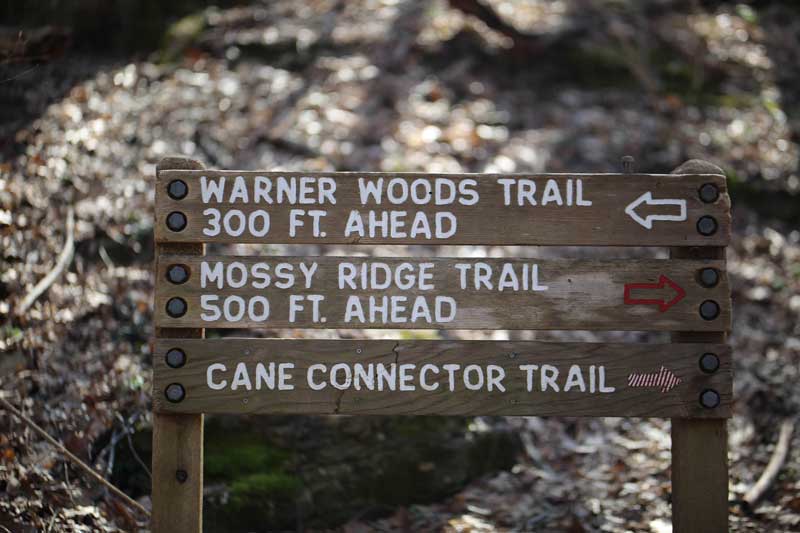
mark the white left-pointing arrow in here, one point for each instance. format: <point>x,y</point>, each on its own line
<point>647,199</point>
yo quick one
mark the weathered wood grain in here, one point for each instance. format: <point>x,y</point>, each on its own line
<point>610,209</point>
<point>699,447</point>
<point>581,294</point>
<point>619,361</point>
<point>177,438</point>
<point>489,221</point>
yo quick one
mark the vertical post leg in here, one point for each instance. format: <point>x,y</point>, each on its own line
<point>177,491</point>
<point>699,447</point>
<point>177,473</point>
<point>699,476</point>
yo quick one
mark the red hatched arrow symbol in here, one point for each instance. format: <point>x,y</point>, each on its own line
<point>662,303</point>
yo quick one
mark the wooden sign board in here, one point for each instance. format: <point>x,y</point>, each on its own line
<point>367,377</point>
<point>688,380</point>
<point>438,293</point>
<point>378,208</point>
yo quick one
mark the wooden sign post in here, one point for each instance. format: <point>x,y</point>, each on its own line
<point>688,380</point>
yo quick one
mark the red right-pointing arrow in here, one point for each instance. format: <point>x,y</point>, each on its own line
<point>662,303</point>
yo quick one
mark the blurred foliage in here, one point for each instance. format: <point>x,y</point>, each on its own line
<point>107,26</point>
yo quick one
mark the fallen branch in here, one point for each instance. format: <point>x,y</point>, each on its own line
<point>63,261</point>
<point>72,457</point>
<point>779,455</point>
<point>523,43</point>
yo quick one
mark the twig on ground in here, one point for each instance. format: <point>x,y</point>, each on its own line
<point>112,454</point>
<point>72,457</point>
<point>128,427</point>
<point>779,455</point>
<point>63,261</point>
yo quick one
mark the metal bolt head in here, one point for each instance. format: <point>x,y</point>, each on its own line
<point>176,221</point>
<point>177,274</point>
<point>174,392</point>
<point>175,358</point>
<point>707,225</point>
<point>628,163</point>
<point>181,475</point>
<point>176,307</point>
<point>708,193</point>
<point>177,189</point>
<point>709,363</point>
<point>709,277</point>
<point>709,398</point>
<point>709,310</point>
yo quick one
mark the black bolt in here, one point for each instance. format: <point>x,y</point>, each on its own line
<point>628,162</point>
<point>709,193</point>
<point>176,221</point>
<point>177,274</point>
<point>709,398</point>
<point>709,310</point>
<point>177,189</point>
<point>707,225</point>
<point>181,476</point>
<point>174,392</point>
<point>176,307</point>
<point>709,277</point>
<point>709,363</point>
<point>176,358</point>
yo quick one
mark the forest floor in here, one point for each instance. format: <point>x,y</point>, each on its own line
<point>390,85</point>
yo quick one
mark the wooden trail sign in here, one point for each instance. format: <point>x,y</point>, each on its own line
<point>439,293</point>
<point>378,208</point>
<point>688,379</point>
<point>364,377</point>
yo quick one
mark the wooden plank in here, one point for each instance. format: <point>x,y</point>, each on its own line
<point>633,371</point>
<point>580,294</point>
<point>699,447</point>
<point>570,209</point>
<point>177,466</point>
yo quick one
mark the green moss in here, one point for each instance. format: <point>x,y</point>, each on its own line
<point>254,489</point>
<point>232,460</point>
<point>231,454</point>
<point>259,478</point>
